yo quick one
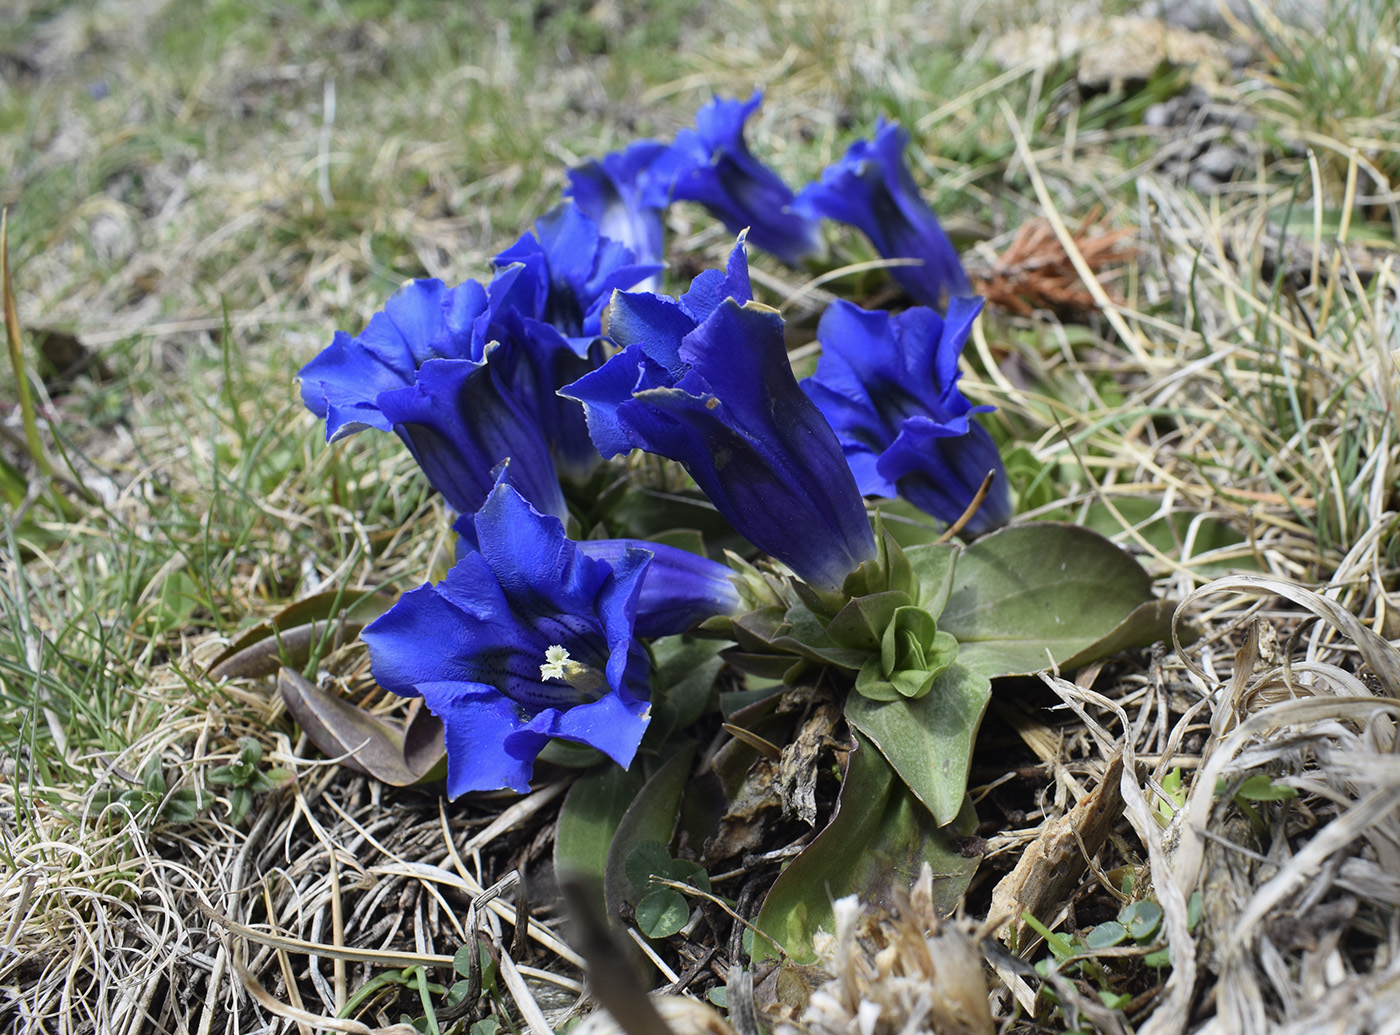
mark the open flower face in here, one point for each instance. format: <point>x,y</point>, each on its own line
<point>889,386</point>
<point>526,639</point>
<point>712,164</point>
<point>871,189</point>
<point>705,380</point>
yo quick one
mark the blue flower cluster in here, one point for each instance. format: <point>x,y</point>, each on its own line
<point>569,356</point>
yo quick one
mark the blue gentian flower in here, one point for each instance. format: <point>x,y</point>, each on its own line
<point>679,588</point>
<point>706,381</point>
<point>548,300</point>
<point>426,369</point>
<point>343,383</point>
<point>570,270</point>
<point>711,164</point>
<point>889,386</point>
<point>460,421</point>
<point>872,190</point>
<point>613,192</point>
<point>527,638</point>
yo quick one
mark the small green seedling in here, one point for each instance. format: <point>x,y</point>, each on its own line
<point>244,779</point>
<point>152,797</point>
<point>1138,922</point>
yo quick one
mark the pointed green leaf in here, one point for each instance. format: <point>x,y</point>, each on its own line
<point>928,740</point>
<point>325,620</point>
<point>647,859</point>
<point>933,569</point>
<point>588,820</point>
<point>862,622</point>
<point>684,680</point>
<point>873,847</point>
<point>650,817</point>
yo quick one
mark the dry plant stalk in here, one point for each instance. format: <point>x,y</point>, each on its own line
<point>910,973</point>
<point>1034,272</point>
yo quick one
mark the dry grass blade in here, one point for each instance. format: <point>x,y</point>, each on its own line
<point>306,1017</point>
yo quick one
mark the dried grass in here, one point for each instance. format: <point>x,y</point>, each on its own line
<point>1232,372</point>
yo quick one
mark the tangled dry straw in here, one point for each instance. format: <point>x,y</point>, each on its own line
<point>1238,374</point>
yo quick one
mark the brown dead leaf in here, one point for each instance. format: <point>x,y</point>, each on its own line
<point>1035,273</point>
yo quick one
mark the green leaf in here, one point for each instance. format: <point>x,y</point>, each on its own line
<point>688,872</point>
<point>1114,1000</point>
<point>648,859</point>
<point>861,623</point>
<point>650,817</point>
<point>929,740</point>
<point>1260,787</point>
<point>592,810</point>
<point>182,806</point>
<point>684,676</point>
<point>289,637</point>
<point>662,912</point>
<point>1061,945</point>
<point>1159,959</point>
<point>1031,594</point>
<point>1195,905</point>
<point>397,755</point>
<point>933,568</point>
<point>1141,919</point>
<point>873,846</point>
<point>224,775</point>
<point>913,653</point>
<point>1107,934</point>
<point>240,801</point>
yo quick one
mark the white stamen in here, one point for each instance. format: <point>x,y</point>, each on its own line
<point>555,658</point>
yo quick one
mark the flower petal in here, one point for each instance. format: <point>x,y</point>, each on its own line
<point>460,423</point>
<point>479,723</point>
<point>871,189</point>
<point>712,165</point>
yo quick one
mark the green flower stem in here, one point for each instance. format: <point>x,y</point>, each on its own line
<point>32,441</point>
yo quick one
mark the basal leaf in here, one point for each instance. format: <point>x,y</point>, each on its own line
<point>928,741</point>
<point>646,860</point>
<point>399,755</point>
<point>1030,594</point>
<point>650,817</point>
<point>873,846</point>
<point>288,637</point>
<point>592,810</point>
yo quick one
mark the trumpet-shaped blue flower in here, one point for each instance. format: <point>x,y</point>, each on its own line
<point>889,386</point>
<point>613,192</point>
<point>706,381</point>
<point>712,164</point>
<point>548,302</point>
<point>423,368</point>
<point>872,190</point>
<point>467,376</point>
<point>527,638</point>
